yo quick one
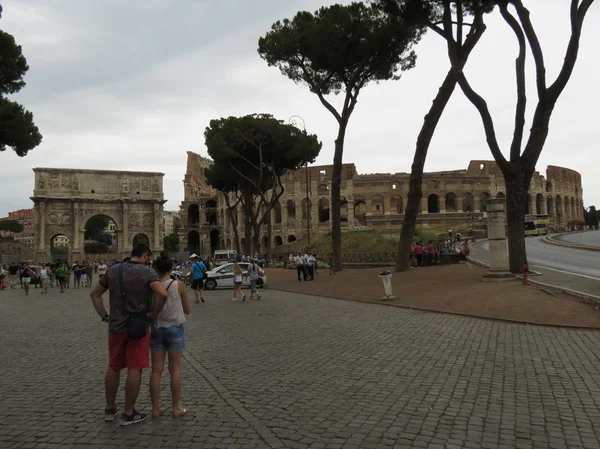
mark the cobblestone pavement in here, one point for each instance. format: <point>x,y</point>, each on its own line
<point>304,372</point>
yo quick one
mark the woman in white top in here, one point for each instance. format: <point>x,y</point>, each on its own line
<point>167,336</point>
<point>238,279</point>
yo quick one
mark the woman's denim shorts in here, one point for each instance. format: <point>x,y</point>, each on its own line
<point>167,339</point>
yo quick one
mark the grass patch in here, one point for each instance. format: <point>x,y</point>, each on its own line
<point>365,241</point>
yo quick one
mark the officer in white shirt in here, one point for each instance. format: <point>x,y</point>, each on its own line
<point>310,264</point>
<point>300,268</point>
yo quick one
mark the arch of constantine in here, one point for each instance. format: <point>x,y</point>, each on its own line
<point>370,201</point>
<point>65,199</point>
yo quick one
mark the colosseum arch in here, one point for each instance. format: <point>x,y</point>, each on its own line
<point>65,199</point>
<point>539,204</point>
<point>450,201</point>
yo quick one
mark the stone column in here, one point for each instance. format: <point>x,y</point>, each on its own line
<point>157,218</point>
<point>496,222</point>
<point>544,206</point>
<point>350,213</point>
<point>387,206</point>
<point>459,204</point>
<point>424,206</point>
<point>125,249</point>
<point>532,205</point>
<point>477,203</point>
<point>42,227</point>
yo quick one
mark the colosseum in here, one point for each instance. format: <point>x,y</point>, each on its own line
<point>370,201</point>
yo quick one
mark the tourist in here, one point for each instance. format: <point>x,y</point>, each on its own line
<point>331,264</point>
<point>168,336</point>
<point>61,275</point>
<point>76,274</point>
<point>132,288</point>
<point>2,278</point>
<point>89,274</point>
<point>238,280</point>
<point>299,261</point>
<point>198,270</point>
<point>51,274</point>
<point>311,263</point>
<point>102,270</point>
<point>419,253</point>
<point>68,275</point>
<point>13,273</point>
<point>26,274</point>
<point>44,278</point>
<point>430,253</point>
<point>83,273</point>
<point>21,266</point>
<point>254,274</point>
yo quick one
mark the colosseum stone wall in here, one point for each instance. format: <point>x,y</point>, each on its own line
<point>371,201</point>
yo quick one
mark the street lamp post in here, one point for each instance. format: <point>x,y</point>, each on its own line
<point>298,122</point>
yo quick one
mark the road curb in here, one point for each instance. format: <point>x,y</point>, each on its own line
<point>586,297</point>
<point>550,239</point>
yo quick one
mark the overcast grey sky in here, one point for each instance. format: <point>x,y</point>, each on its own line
<point>132,84</point>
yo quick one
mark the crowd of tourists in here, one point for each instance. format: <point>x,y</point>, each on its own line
<point>49,275</point>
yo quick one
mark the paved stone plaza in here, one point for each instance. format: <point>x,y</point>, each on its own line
<point>304,372</point>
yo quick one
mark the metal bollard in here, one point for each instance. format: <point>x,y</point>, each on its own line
<point>525,271</point>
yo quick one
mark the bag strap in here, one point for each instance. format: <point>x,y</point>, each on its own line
<point>169,286</point>
<point>122,290</point>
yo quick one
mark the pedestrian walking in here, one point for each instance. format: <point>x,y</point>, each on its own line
<point>76,274</point>
<point>198,270</point>
<point>168,337</point>
<point>26,274</point>
<point>132,287</point>
<point>89,274</point>
<point>61,274</point>
<point>13,273</point>
<point>238,280</point>
<point>253,273</point>
<point>331,264</point>
<point>44,278</point>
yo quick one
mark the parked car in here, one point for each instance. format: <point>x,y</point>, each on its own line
<point>222,277</point>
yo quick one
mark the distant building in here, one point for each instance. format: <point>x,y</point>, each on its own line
<point>368,201</point>
<point>60,240</point>
<point>25,217</point>
<point>171,220</point>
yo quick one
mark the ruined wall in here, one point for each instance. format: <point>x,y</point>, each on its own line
<point>378,200</point>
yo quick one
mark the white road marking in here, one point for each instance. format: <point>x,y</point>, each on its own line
<point>568,272</point>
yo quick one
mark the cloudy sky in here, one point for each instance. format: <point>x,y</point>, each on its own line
<point>131,85</point>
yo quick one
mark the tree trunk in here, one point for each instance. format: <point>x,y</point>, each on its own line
<point>269,236</point>
<point>517,186</point>
<point>248,226</point>
<point>336,204</point>
<point>233,222</point>
<point>416,175</point>
<point>255,239</point>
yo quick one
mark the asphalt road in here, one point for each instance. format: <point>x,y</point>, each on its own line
<point>588,238</point>
<point>571,268</point>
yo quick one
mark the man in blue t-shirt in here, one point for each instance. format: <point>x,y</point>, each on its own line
<point>198,270</point>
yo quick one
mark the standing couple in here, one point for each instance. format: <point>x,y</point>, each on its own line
<point>140,296</point>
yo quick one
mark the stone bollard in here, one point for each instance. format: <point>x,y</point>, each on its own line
<point>499,268</point>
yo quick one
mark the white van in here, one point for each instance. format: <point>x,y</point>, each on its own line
<point>222,256</point>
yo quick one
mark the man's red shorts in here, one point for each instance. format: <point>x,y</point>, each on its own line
<point>130,353</point>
